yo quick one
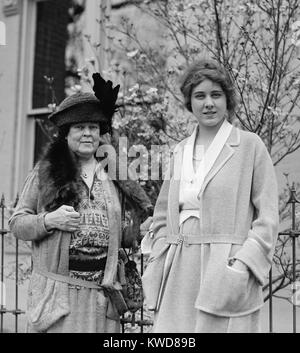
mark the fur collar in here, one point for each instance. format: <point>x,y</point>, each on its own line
<point>59,181</point>
<point>60,184</point>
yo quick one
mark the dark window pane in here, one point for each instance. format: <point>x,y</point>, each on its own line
<point>44,131</point>
<point>50,47</point>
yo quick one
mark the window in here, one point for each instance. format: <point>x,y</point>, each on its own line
<point>51,37</point>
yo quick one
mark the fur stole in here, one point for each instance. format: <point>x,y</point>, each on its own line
<point>59,175</point>
<point>59,182</point>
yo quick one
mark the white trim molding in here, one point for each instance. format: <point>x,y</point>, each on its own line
<point>24,127</point>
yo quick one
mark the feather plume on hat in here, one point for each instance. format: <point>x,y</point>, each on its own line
<point>86,106</point>
<point>98,107</point>
<point>107,96</point>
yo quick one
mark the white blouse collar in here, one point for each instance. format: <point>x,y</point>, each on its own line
<point>208,158</point>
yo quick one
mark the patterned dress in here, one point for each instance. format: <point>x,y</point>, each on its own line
<point>88,247</point>
<point>87,259</point>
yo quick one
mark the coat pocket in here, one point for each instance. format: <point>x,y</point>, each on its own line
<point>229,292</point>
<point>48,301</point>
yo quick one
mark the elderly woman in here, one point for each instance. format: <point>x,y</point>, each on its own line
<point>215,221</point>
<point>71,211</point>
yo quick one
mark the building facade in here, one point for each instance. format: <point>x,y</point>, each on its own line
<point>36,34</point>
<point>33,44</point>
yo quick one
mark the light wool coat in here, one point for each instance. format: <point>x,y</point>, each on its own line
<point>238,218</point>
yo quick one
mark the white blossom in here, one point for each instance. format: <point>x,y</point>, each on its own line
<point>76,88</point>
<point>52,106</point>
<point>134,88</point>
<point>152,90</point>
<point>132,54</point>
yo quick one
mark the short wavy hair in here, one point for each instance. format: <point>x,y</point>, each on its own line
<point>208,69</point>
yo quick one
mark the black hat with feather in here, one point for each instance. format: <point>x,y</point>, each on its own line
<point>89,107</point>
<point>100,107</point>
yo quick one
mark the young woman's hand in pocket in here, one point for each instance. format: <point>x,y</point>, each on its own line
<point>240,266</point>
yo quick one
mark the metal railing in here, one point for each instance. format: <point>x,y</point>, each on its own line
<point>138,319</point>
<point>293,234</point>
<point>131,319</point>
<point>3,310</point>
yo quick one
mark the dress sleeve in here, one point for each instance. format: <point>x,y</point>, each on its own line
<point>26,223</point>
<point>258,249</point>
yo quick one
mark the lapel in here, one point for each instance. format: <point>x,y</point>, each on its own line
<point>186,163</point>
<point>226,153</point>
<point>173,198</point>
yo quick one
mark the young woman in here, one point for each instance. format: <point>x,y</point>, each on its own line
<point>215,220</point>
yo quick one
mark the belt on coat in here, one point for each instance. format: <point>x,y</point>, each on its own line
<point>178,239</point>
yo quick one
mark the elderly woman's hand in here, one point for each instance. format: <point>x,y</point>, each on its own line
<point>64,218</point>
